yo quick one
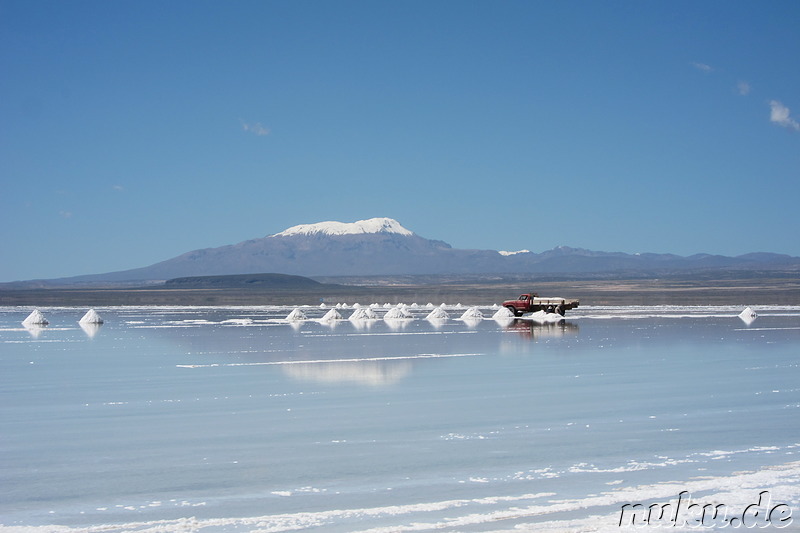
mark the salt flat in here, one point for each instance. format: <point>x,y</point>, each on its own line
<point>235,419</point>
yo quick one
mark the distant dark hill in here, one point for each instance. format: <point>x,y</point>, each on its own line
<point>244,281</point>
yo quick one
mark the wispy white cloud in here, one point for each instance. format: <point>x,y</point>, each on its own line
<point>781,115</point>
<point>118,188</point>
<point>255,128</point>
<point>65,214</point>
<point>743,87</point>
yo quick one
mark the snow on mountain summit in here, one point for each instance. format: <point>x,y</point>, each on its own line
<point>372,225</point>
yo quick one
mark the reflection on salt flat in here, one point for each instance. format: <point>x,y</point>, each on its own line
<point>396,324</point>
<point>373,373</point>
<point>361,325</point>
<point>437,323</point>
<point>35,330</point>
<point>472,322</point>
<point>90,328</point>
<point>535,330</point>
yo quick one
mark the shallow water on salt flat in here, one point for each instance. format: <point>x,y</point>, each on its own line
<point>235,417</point>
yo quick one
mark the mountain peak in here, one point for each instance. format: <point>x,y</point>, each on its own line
<point>372,225</point>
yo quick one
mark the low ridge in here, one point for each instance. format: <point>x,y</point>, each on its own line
<point>259,281</point>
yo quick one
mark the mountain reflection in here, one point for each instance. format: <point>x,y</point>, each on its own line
<point>372,373</point>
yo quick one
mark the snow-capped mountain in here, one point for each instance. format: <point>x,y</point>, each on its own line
<point>372,225</point>
<point>382,246</point>
<point>365,247</point>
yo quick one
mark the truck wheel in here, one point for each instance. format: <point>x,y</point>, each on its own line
<point>513,310</point>
<point>550,309</point>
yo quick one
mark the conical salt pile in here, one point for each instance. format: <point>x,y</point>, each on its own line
<point>297,314</point>
<point>503,312</point>
<point>333,314</point>
<point>363,313</point>
<point>543,317</point>
<point>472,313</point>
<point>91,317</point>
<point>437,314</point>
<point>396,313</point>
<point>748,316</point>
<point>36,318</point>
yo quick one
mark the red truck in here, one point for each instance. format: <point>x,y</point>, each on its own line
<point>531,302</point>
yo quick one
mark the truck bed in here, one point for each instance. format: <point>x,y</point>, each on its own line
<point>563,302</point>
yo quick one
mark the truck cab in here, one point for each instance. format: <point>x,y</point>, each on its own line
<point>522,304</point>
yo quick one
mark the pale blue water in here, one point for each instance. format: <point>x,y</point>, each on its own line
<point>245,422</point>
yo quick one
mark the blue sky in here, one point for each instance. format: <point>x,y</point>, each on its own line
<point>133,131</point>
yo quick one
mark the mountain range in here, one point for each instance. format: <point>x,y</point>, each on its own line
<point>383,247</point>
